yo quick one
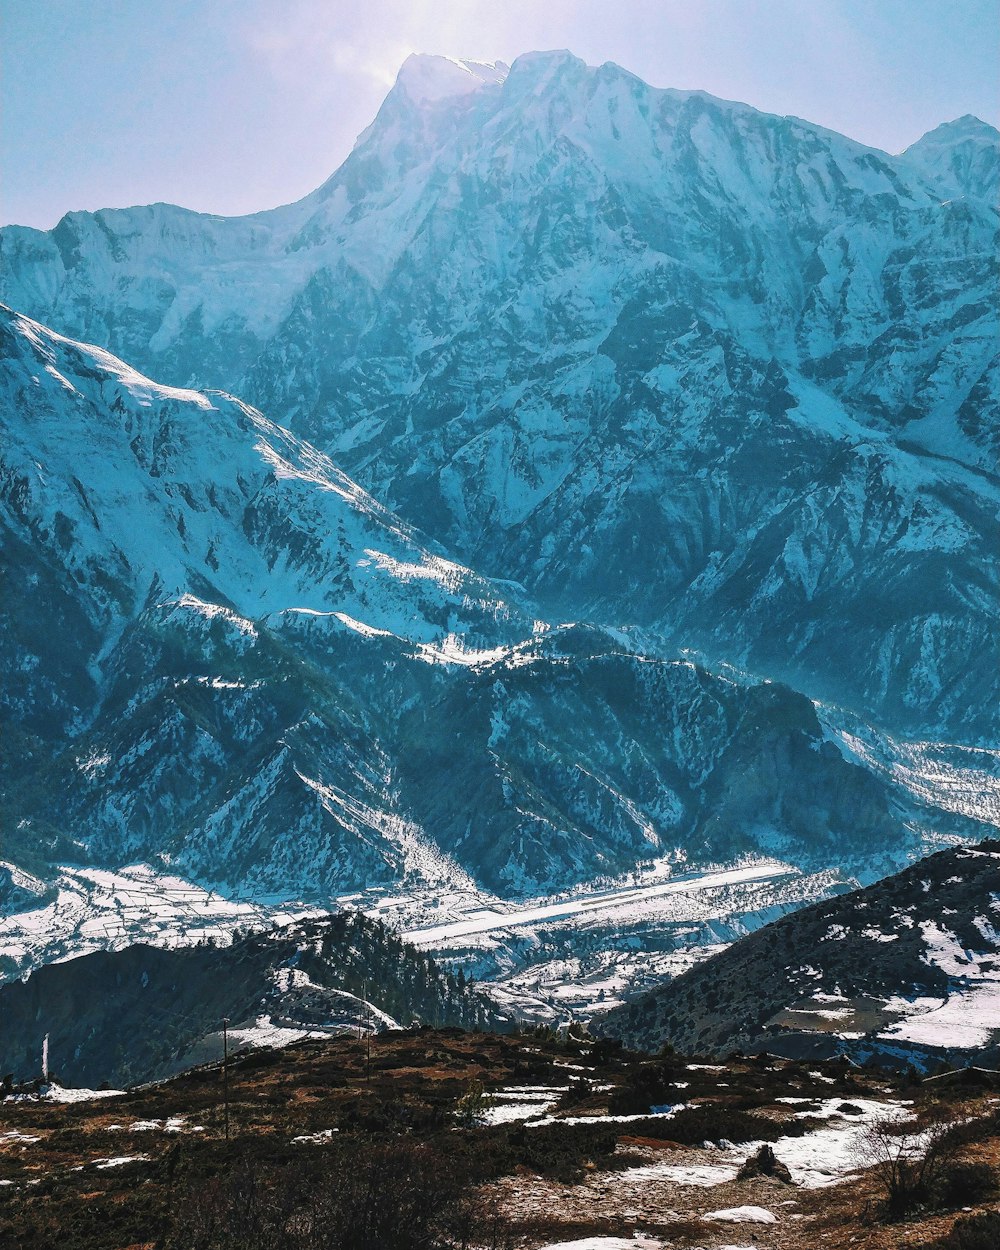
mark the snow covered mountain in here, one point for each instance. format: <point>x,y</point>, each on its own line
<point>222,658</point>
<point>961,157</point>
<point>146,528</point>
<point>706,398</point>
<point>661,358</point>
<point>907,970</point>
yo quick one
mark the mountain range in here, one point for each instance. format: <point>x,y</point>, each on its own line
<point>663,359</point>
<point>222,655</point>
<point>612,480</point>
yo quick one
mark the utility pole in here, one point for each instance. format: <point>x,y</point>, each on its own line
<point>225,1072</point>
<point>366,1023</point>
<point>368,1053</point>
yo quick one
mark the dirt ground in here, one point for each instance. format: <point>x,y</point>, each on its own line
<point>588,1161</point>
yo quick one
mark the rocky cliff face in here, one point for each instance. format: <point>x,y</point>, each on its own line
<point>661,358</point>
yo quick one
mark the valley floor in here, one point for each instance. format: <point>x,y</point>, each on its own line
<point>543,959</point>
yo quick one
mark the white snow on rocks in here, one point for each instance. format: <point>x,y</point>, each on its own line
<point>820,1158</point>
<point>58,1093</point>
<point>743,1215</point>
<point>173,1124</point>
<point>97,909</point>
<point>429,79</point>
<point>522,1102</point>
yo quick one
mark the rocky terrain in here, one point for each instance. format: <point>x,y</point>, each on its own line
<point>445,1138</point>
<point>906,971</point>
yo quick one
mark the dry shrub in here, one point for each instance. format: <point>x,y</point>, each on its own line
<point>715,1122</point>
<point>647,1085</point>
<point>910,1163</point>
<point>964,1184</point>
<point>402,1196</point>
<point>971,1232</point>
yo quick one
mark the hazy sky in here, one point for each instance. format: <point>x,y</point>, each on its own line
<point>235,105</point>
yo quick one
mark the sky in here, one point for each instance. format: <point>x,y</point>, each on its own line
<point>230,106</point>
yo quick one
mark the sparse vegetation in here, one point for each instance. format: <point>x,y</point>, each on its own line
<point>921,1165</point>
<point>473,1106</point>
<point>329,1153</point>
<point>904,1162</point>
<point>971,1232</point>
<point>402,1195</point>
<point>647,1085</point>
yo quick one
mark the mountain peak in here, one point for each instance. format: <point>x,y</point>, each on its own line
<point>531,70</point>
<point>959,130</point>
<point>427,78</point>
<point>961,157</point>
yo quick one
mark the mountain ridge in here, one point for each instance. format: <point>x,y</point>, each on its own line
<point>343,975</point>
<point>902,971</point>
<point>547,316</point>
<point>293,696</point>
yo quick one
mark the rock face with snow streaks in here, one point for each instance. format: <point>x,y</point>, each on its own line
<point>223,656</point>
<point>661,358</point>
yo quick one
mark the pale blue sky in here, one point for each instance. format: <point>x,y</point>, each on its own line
<point>234,105</point>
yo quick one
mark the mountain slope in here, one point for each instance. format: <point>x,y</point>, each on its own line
<point>659,357</point>
<point>905,969</point>
<point>268,685</point>
<point>143,1013</point>
<point>146,530</point>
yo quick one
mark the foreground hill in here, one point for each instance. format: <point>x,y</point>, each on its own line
<point>662,358</point>
<point>907,970</point>
<point>328,1151</point>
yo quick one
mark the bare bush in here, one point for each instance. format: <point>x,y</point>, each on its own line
<point>908,1161</point>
